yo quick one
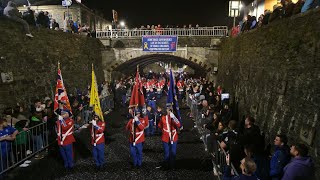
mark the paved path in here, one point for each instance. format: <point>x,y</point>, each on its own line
<point>192,161</point>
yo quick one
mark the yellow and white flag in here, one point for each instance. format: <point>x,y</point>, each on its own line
<point>94,97</point>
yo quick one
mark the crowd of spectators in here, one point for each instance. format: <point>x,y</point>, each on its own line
<point>26,130</point>
<point>251,155</point>
<point>284,9</point>
<point>42,20</point>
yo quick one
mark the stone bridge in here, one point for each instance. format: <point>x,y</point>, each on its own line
<point>124,54</point>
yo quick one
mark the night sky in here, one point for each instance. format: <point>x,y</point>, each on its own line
<point>165,12</point>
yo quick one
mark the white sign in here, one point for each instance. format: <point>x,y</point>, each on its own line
<point>79,1</point>
<point>7,77</point>
<point>66,3</point>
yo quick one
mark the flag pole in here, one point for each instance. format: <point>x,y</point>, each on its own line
<point>58,65</point>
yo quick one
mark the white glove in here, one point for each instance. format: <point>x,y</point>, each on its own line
<point>136,118</point>
<point>94,123</point>
<point>60,118</point>
<point>172,115</point>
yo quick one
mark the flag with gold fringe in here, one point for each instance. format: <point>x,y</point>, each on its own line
<point>94,97</point>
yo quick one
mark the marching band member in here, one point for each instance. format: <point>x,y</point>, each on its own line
<point>97,141</point>
<point>136,126</point>
<point>169,125</point>
<point>65,138</point>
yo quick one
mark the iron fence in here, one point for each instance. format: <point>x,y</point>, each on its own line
<point>218,154</point>
<point>28,142</point>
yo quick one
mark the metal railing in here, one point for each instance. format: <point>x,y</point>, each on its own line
<point>28,142</point>
<point>218,154</point>
<point>216,31</point>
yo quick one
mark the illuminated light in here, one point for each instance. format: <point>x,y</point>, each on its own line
<point>122,24</point>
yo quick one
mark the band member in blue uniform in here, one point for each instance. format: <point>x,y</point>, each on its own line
<point>150,130</point>
<point>152,99</point>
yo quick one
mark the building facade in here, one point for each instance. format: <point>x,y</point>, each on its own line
<point>257,7</point>
<point>77,12</point>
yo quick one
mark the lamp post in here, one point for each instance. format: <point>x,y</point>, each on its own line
<point>234,10</point>
<point>122,24</point>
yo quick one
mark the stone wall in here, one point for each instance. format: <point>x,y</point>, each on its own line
<point>273,73</point>
<point>33,62</point>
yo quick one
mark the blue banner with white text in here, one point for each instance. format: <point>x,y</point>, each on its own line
<point>159,43</point>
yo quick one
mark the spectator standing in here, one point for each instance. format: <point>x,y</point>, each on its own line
<point>280,157</point>
<point>288,7</point>
<point>298,6</point>
<point>247,166</point>
<point>301,165</point>
<point>37,133</point>
<point>8,112</point>
<point>7,135</point>
<point>55,25</point>
<point>277,13</point>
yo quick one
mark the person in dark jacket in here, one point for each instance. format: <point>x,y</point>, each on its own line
<point>251,132</point>
<point>55,25</point>
<point>277,13</point>
<point>248,167</point>
<point>266,17</point>
<point>280,157</point>
<point>29,17</point>
<point>298,6</point>
<point>301,165</point>
<point>288,7</point>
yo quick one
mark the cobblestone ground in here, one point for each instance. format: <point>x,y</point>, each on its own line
<point>192,161</point>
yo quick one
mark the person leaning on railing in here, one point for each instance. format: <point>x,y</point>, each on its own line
<point>248,167</point>
<point>7,135</point>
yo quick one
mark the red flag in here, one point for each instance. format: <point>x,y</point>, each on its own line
<point>137,97</point>
<point>61,94</point>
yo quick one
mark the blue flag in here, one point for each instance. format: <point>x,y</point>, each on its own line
<point>172,98</point>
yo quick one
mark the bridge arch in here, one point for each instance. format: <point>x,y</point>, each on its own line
<point>129,66</point>
<point>127,59</point>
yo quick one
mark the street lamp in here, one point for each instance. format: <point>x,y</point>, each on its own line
<point>234,10</point>
<point>122,24</point>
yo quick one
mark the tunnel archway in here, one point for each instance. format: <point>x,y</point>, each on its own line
<point>129,66</point>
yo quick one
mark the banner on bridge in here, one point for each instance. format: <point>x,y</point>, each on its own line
<point>159,43</point>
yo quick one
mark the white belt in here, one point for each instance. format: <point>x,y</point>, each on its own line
<point>168,131</point>
<point>174,134</point>
<point>137,138</point>
<point>66,134</point>
<point>97,139</point>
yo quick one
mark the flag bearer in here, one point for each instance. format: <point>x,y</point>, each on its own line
<point>136,126</point>
<point>65,138</point>
<point>97,140</point>
<point>169,125</point>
